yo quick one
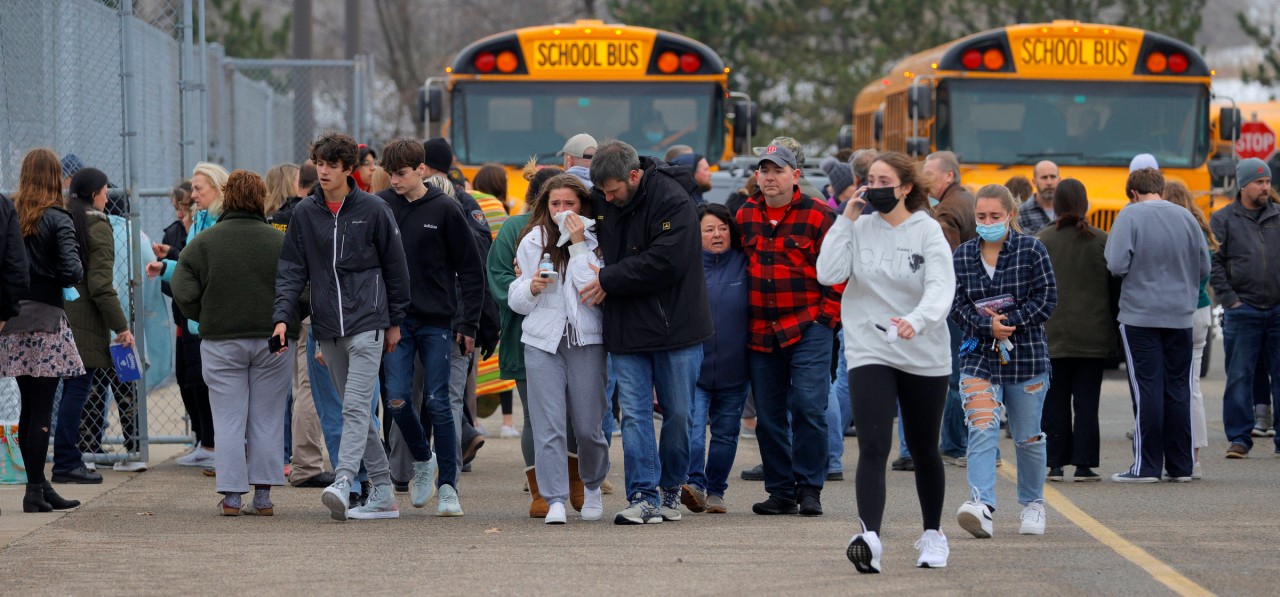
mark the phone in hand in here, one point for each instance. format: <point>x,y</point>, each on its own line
<point>277,343</point>
<point>462,346</point>
<point>548,274</point>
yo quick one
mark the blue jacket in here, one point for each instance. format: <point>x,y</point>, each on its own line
<point>724,355</point>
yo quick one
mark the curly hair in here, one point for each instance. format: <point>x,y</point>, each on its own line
<point>335,147</point>
<point>244,192</point>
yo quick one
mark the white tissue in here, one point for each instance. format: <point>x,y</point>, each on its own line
<point>891,334</point>
<point>563,217</point>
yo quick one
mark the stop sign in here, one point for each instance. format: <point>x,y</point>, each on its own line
<point>1257,140</point>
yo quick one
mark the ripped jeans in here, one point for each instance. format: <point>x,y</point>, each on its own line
<point>1024,402</point>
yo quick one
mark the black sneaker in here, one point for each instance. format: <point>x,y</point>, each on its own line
<point>400,487</point>
<point>1085,474</point>
<point>851,431</point>
<point>79,476</point>
<point>809,500</point>
<point>904,464</point>
<point>1055,474</point>
<point>776,505</point>
<point>835,475</point>
<point>320,481</point>
<point>755,473</point>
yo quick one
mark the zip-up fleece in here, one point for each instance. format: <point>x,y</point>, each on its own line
<point>435,232</point>
<point>354,261</point>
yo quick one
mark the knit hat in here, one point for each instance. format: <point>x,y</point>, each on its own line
<point>1251,169</point>
<point>686,159</point>
<point>1143,160</point>
<point>841,176</point>
<point>827,163</point>
<point>71,164</point>
<point>439,154</point>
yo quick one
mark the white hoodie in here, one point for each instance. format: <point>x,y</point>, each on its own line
<point>547,314</point>
<point>902,271</point>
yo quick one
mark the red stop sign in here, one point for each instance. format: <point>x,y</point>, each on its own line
<point>1257,140</point>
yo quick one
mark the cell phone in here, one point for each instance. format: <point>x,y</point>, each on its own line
<point>275,344</point>
<point>462,346</point>
<point>547,274</point>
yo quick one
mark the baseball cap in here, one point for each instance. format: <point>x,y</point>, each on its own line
<point>779,155</point>
<point>71,164</point>
<point>790,143</point>
<point>578,146</point>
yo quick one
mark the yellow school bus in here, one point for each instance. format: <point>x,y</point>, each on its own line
<point>1088,97</point>
<point>522,93</point>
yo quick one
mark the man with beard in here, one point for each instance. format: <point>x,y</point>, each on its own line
<point>1037,212</point>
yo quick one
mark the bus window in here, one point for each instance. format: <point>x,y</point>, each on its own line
<point>510,114</point>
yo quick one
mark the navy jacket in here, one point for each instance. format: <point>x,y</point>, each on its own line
<point>724,354</point>
<point>15,273</point>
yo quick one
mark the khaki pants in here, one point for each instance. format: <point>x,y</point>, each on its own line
<point>308,440</point>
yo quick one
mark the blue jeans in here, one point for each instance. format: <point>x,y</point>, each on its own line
<point>674,375</point>
<point>430,346</point>
<point>955,436</point>
<point>66,431</point>
<point>722,409</point>
<point>329,406</point>
<point>839,412</point>
<point>795,380</point>
<point>1024,401</point>
<point>1247,332</point>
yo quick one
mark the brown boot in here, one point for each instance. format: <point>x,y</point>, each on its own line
<point>577,490</point>
<point>538,508</point>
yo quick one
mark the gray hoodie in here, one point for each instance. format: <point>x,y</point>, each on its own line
<point>1159,250</point>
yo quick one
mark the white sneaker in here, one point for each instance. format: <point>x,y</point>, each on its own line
<point>91,466</point>
<point>509,432</point>
<point>975,517</point>
<point>380,505</point>
<point>933,550</point>
<point>555,514</point>
<point>200,458</point>
<point>592,504</point>
<point>448,503</point>
<point>130,466</point>
<point>1196,471</point>
<point>335,497</point>
<point>423,484</point>
<point>1033,519</point>
<point>864,551</point>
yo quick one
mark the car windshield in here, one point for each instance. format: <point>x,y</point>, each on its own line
<point>1076,123</point>
<point>507,122</point>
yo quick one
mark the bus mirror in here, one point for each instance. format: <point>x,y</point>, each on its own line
<point>844,140</point>
<point>1221,170</point>
<point>744,117</point>
<point>920,101</point>
<point>1229,124</point>
<point>435,104</point>
<point>877,126</point>
<point>918,146</point>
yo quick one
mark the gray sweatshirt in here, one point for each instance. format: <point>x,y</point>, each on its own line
<point>1158,249</point>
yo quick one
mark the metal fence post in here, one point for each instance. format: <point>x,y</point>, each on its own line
<point>129,134</point>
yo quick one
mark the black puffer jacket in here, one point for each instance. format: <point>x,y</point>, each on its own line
<point>54,257</point>
<point>15,272</point>
<point>354,261</point>
<point>657,295</point>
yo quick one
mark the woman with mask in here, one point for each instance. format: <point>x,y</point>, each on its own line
<point>1005,291</point>
<point>36,345</point>
<point>563,345</point>
<point>897,263</point>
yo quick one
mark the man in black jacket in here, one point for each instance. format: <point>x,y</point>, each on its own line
<point>655,317</point>
<point>434,230</point>
<point>15,275</point>
<point>345,243</point>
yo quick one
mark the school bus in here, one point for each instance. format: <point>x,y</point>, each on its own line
<point>522,93</point>
<point>1088,97</point>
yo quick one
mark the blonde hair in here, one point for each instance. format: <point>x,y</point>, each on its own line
<point>279,187</point>
<point>217,176</point>
<point>1178,194</point>
<point>1002,194</point>
<point>441,182</point>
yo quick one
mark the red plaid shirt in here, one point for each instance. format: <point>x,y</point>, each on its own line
<point>782,263</point>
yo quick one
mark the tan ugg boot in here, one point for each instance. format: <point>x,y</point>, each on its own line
<point>577,490</point>
<point>537,508</point>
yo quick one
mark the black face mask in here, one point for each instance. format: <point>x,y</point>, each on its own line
<point>882,199</point>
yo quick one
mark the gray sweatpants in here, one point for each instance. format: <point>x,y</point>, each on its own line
<point>567,385</point>
<point>353,364</point>
<point>248,389</point>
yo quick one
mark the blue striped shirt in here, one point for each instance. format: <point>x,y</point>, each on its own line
<point>1022,271</point>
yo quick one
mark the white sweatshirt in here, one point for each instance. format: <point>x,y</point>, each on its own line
<point>902,271</point>
<point>547,314</point>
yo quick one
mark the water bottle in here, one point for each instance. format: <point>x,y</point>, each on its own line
<point>549,267</point>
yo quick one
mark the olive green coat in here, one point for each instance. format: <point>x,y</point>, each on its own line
<point>97,315</point>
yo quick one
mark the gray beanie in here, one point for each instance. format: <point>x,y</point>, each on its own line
<point>1251,169</point>
<point>841,176</point>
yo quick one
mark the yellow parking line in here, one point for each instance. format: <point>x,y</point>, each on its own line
<point>1162,572</point>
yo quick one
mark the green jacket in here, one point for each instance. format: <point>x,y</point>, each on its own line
<point>501,272</point>
<point>226,278</point>
<point>97,313</point>
<point>1084,323</point>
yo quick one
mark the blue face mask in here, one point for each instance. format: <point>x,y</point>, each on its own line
<point>992,233</point>
<point>654,136</point>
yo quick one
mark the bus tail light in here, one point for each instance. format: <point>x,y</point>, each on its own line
<point>678,55</point>
<point>690,63</point>
<point>484,62</point>
<point>496,55</point>
<point>1164,55</point>
<point>507,62</point>
<point>1178,63</point>
<point>987,52</point>
<point>972,59</point>
<point>1156,63</point>
<point>993,59</point>
<point>668,62</point>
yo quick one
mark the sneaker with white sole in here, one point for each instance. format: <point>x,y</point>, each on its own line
<point>448,503</point>
<point>555,514</point>
<point>933,550</point>
<point>670,508</point>
<point>864,551</point>
<point>380,504</point>
<point>1033,519</point>
<point>335,497</point>
<point>592,504</point>
<point>129,466</point>
<point>639,512</point>
<point>199,457</point>
<point>975,517</point>
<point>509,432</point>
<point>422,487</point>
<point>1128,477</point>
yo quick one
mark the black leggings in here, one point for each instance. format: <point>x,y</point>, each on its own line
<point>876,391</point>
<point>33,423</point>
<point>195,394</point>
